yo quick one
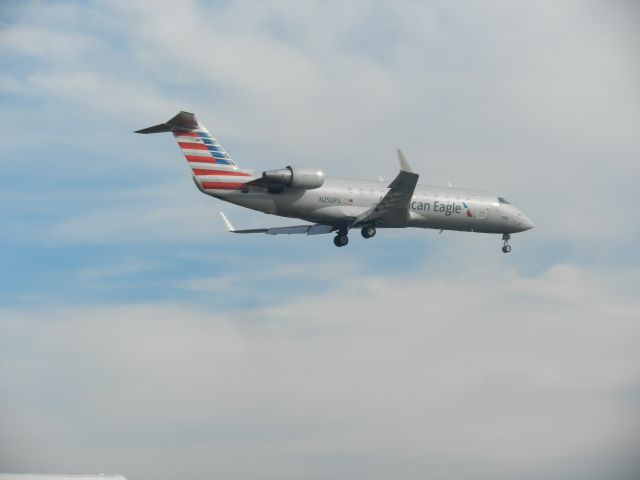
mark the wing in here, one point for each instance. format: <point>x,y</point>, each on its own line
<point>393,209</point>
<point>313,229</point>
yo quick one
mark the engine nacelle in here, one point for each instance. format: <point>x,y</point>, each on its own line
<point>302,178</point>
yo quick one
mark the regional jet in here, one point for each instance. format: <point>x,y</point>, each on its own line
<point>338,205</point>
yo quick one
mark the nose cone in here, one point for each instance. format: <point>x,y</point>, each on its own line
<point>513,220</point>
<point>525,223</point>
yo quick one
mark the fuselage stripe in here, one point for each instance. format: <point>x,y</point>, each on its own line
<point>202,171</point>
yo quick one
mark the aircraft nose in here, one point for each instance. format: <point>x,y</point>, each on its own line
<point>526,223</point>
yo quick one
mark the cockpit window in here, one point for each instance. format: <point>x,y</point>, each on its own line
<point>503,200</point>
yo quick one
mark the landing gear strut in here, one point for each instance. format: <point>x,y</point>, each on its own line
<point>368,231</point>
<point>341,239</point>
<point>506,248</point>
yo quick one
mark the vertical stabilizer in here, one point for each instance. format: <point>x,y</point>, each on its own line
<point>211,165</point>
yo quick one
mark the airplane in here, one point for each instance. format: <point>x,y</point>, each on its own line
<point>333,204</point>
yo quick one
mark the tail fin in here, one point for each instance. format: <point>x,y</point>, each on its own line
<point>211,165</point>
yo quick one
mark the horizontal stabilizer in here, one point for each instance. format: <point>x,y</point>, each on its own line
<point>182,121</point>
<point>314,229</point>
<point>163,127</point>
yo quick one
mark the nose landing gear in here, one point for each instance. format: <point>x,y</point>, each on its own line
<point>506,248</point>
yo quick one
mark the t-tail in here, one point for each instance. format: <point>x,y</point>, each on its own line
<point>212,167</point>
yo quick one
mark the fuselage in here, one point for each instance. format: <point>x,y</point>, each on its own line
<point>342,199</point>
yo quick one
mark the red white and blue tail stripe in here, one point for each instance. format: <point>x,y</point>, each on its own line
<point>211,165</point>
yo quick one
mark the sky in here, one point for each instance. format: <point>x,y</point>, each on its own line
<point>138,337</point>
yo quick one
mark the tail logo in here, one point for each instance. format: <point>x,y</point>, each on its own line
<point>212,167</point>
<point>200,146</point>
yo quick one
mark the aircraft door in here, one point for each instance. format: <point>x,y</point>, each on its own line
<point>481,207</point>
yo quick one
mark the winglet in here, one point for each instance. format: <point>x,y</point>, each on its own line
<point>227,223</point>
<point>404,165</point>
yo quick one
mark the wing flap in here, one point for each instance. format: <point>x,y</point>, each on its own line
<point>294,230</point>
<point>251,230</point>
<point>313,229</point>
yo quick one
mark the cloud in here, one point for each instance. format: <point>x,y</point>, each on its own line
<point>35,41</point>
<point>187,350</point>
<point>9,84</point>
<point>125,267</point>
<point>473,375</point>
<point>536,103</point>
<point>102,93</point>
<point>140,223</point>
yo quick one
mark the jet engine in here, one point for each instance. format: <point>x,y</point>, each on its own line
<point>302,178</point>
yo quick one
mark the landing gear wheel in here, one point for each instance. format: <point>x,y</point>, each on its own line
<point>506,248</point>
<point>340,240</point>
<point>368,231</point>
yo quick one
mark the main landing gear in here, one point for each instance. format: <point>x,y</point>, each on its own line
<point>341,239</point>
<point>506,248</point>
<point>368,231</point>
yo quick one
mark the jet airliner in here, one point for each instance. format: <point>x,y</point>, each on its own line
<point>337,204</point>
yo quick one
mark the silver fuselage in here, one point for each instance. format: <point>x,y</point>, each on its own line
<point>341,199</point>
